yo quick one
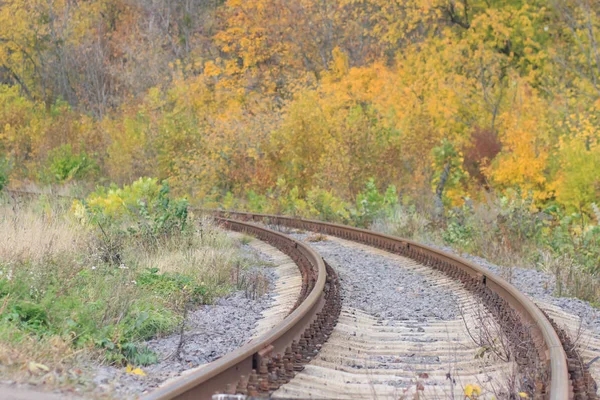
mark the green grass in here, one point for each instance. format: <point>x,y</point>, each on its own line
<point>69,289</point>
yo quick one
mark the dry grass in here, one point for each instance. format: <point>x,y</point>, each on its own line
<point>207,252</point>
<point>569,279</point>
<point>28,235</point>
<point>316,237</point>
<point>51,262</point>
<point>406,224</point>
<point>51,361</point>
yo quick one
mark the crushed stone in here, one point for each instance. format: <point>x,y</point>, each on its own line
<point>539,286</point>
<point>383,287</point>
<point>211,332</point>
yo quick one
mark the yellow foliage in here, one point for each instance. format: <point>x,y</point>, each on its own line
<point>578,183</point>
<point>319,94</point>
<point>524,158</point>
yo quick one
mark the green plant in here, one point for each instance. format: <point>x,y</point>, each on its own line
<point>65,165</point>
<point>370,203</point>
<point>458,232</point>
<point>4,172</point>
<point>326,206</point>
<point>288,200</point>
<point>29,315</point>
<point>60,283</point>
<point>143,210</point>
<point>447,161</point>
<point>171,284</point>
<point>576,236</point>
<point>138,355</point>
<point>257,202</point>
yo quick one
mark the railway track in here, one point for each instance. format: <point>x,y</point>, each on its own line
<point>296,359</point>
<point>257,369</point>
<point>264,364</point>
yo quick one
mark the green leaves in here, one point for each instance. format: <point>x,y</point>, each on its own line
<point>168,285</point>
<point>4,171</point>
<point>370,203</point>
<point>143,210</point>
<point>64,165</point>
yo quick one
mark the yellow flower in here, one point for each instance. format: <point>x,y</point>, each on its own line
<point>134,371</point>
<point>523,395</point>
<point>472,391</point>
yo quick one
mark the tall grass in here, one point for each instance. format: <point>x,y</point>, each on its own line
<point>511,233</point>
<point>510,230</point>
<point>62,298</point>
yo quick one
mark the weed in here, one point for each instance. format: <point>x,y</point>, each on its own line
<point>79,280</point>
<point>64,165</point>
<point>316,237</point>
<point>246,239</point>
<point>4,171</point>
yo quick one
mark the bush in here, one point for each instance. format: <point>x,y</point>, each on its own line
<point>575,236</point>
<point>459,231</point>
<point>289,201</point>
<point>64,165</point>
<point>319,203</point>
<point>143,209</point>
<point>257,202</point>
<point>4,170</point>
<point>326,206</point>
<point>371,204</point>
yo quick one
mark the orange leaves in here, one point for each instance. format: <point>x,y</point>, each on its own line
<point>211,70</point>
<point>234,96</point>
<point>524,158</point>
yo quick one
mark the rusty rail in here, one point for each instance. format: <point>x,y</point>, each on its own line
<point>264,364</point>
<point>273,359</point>
<point>511,305</point>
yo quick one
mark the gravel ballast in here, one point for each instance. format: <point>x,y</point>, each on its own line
<point>539,286</point>
<point>211,332</point>
<point>381,287</point>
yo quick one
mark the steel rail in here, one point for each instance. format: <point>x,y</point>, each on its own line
<point>280,351</point>
<point>547,342</point>
<point>245,360</point>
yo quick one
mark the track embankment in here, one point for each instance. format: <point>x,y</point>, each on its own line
<point>271,360</point>
<point>536,346</point>
<point>294,358</point>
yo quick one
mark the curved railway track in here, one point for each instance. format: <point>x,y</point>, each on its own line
<point>257,369</point>
<point>269,362</point>
<point>264,364</point>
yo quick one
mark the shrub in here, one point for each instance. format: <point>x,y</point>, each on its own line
<point>459,231</point>
<point>371,204</point>
<point>143,209</point>
<point>326,206</point>
<point>575,236</point>
<point>257,202</point>
<point>288,200</point>
<point>4,170</point>
<point>64,165</point>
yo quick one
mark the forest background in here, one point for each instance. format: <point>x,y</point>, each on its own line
<point>466,123</point>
